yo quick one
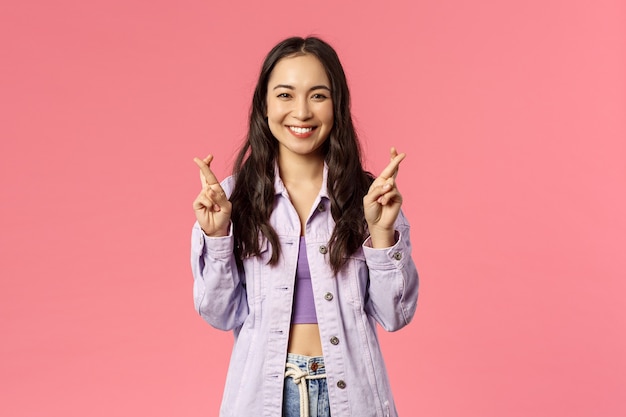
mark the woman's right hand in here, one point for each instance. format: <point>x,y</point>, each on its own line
<point>211,206</point>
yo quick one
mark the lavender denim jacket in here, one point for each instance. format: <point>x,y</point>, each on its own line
<point>376,286</point>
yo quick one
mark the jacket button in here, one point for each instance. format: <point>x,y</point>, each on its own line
<point>341,384</point>
<point>323,250</point>
<point>328,296</point>
<point>397,256</point>
<point>321,207</point>
<point>334,340</point>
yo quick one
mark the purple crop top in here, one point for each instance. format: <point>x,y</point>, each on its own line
<point>303,305</point>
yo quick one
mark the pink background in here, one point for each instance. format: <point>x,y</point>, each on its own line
<point>513,115</point>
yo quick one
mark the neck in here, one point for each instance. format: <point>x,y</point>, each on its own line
<point>300,169</point>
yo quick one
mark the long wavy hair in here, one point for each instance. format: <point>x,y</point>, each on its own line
<point>253,194</point>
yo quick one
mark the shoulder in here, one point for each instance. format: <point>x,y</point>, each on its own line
<point>228,185</point>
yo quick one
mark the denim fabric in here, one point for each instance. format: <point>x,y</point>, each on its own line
<point>317,388</point>
<point>254,299</point>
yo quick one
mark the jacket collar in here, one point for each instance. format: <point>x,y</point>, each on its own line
<point>279,186</point>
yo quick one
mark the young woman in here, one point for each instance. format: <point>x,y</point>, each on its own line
<point>301,252</point>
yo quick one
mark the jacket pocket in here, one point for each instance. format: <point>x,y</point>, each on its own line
<point>252,266</point>
<point>358,278</point>
<point>255,285</point>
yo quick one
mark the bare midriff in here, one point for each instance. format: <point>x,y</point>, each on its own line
<point>304,339</point>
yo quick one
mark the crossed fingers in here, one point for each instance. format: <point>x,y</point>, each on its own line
<point>391,170</point>
<point>207,177</point>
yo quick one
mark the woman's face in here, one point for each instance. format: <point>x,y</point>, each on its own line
<point>299,105</point>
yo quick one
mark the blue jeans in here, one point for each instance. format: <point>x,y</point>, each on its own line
<point>310,371</point>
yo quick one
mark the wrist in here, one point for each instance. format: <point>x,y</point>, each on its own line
<point>217,233</point>
<point>382,238</point>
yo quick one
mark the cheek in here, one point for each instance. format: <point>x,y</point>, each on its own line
<point>274,127</point>
<point>331,118</point>
<point>276,108</point>
<point>328,115</point>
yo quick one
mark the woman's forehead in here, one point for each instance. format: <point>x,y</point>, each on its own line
<point>298,71</point>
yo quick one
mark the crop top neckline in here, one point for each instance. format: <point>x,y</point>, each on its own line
<point>303,300</point>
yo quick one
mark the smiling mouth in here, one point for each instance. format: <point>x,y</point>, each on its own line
<point>301,130</point>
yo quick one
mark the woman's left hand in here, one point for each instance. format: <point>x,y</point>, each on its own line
<point>382,203</point>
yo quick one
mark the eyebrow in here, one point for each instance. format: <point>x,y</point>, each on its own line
<point>291,87</point>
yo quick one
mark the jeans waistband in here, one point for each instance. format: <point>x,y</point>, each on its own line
<point>313,365</point>
<point>301,368</point>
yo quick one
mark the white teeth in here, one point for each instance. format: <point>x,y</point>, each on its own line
<point>300,129</point>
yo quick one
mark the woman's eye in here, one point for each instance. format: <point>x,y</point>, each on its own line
<point>319,97</point>
<point>283,95</point>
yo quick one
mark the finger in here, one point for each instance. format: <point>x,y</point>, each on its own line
<point>393,196</point>
<point>204,165</point>
<point>386,187</point>
<point>393,153</point>
<point>218,196</point>
<point>391,169</point>
<point>207,161</point>
<point>203,202</point>
<point>376,192</point>
<point>208,200</point>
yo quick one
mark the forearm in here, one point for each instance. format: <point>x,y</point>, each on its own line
<point>393,281</point>
<point>219,294</point>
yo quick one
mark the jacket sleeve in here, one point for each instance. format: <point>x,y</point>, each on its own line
<point>219,291</point>
<point>393,280</point>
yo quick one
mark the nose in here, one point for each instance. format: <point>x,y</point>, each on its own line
<point>302,110</point>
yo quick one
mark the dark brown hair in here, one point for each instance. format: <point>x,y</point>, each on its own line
<point>253,195</point>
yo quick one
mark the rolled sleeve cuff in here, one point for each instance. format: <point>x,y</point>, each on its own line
<point>214,247</point>
<point>394,257</point>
